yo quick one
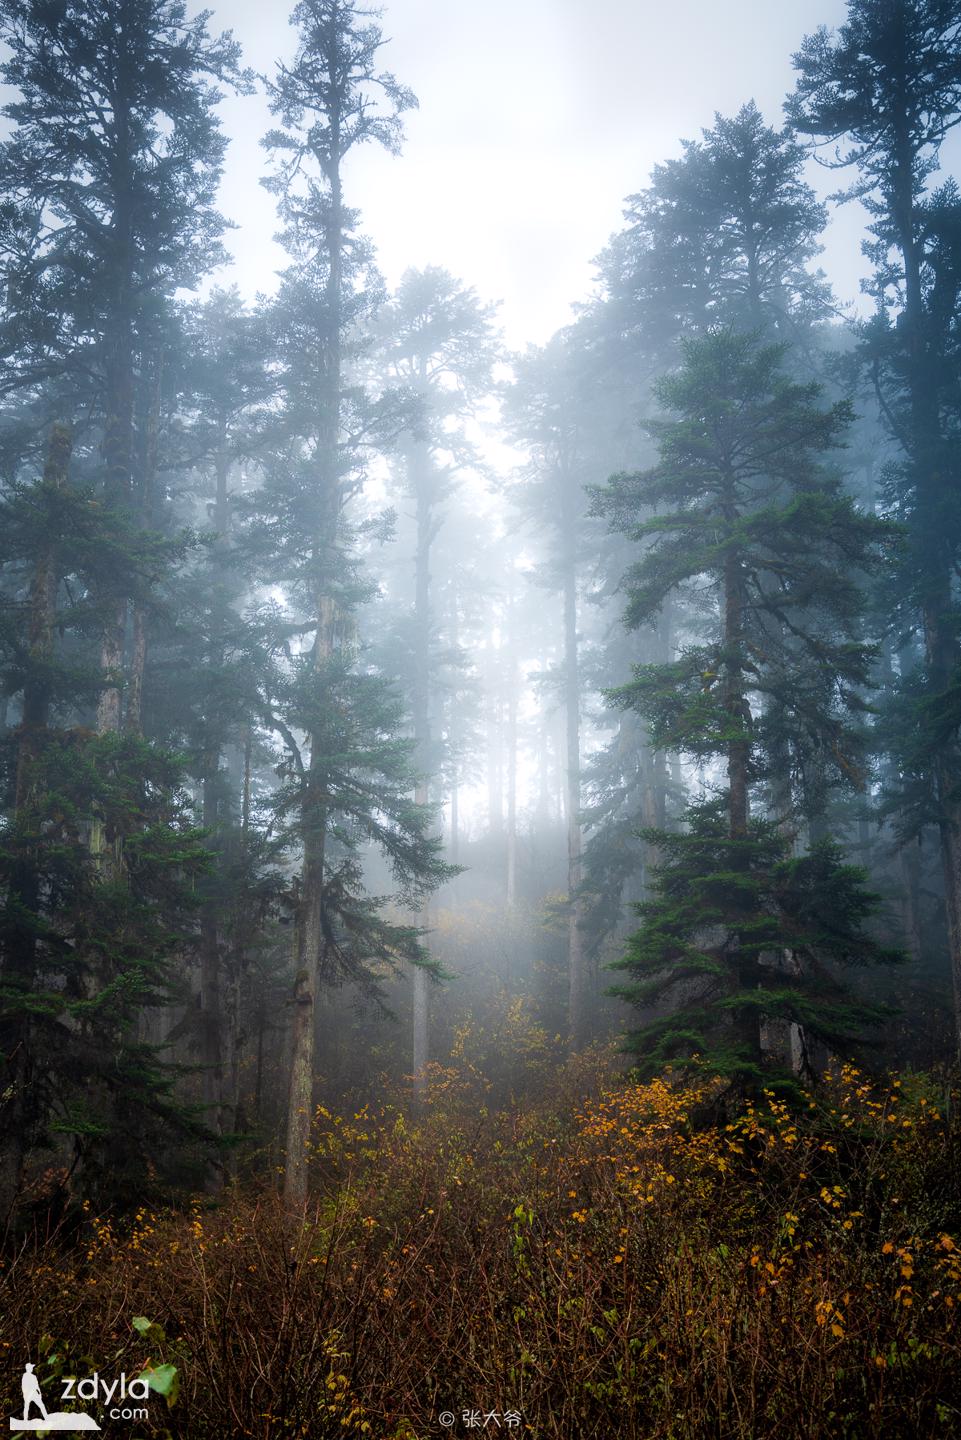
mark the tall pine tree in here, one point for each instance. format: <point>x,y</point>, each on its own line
<point>746,517</point>
<point>883,94</point>
<point>350,785</point>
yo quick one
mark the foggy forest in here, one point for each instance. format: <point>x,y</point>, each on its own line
<point>480,777</point>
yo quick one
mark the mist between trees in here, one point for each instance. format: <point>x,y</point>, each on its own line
<point>345,765</point>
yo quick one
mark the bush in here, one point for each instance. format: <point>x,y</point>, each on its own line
<point>614,1269</point>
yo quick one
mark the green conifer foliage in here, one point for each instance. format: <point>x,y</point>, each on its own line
<point>351,783</point>
<point>109,175</point>
<point>89,930</point>
<point>882,95</point>
<point>723,235</point>
<point>747,519</point>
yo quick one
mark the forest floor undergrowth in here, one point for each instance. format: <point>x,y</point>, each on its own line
<point>614,1262</point>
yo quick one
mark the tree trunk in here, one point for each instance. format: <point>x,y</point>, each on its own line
<point>211,1006</point>
<point>738,758</point>
<point>238,1002</point>
<point>118,436</point>
<point>909,858</point>
<point>309,953</point>
<point>941,656</point>
<point>578,980</point>
<point>218,1019</point>
<point>147,472</point>
<point>453,730</point>
<point>420,1032</point>
<point>738,750</point>
<point>310,931</point>
<point>652,797</point>
<point>495,812</point>
<point>420,479</point>
<point>511,759</point>
<point>950,835</point>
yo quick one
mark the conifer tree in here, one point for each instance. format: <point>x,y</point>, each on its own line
<point>746,516</point>
<point>547,411</point>
<point>88,937</point>
<point>204,687</point>
<point>438,342</point>
<point>351,784</point>
<point>115,158</point>
<point>108,177</point>
<point>725,235</point>
<point>883,94</point>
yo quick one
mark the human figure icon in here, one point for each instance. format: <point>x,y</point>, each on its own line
<point>30,1386</point>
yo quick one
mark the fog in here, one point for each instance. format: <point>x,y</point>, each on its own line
<point>535,121</point>
<point>480,720</point>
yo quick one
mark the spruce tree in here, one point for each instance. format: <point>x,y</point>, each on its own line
<point>204,687</point>
<point>351,784</point>
<point>115,157</point>
<point>883,94</point>
<point>438,342</point>
<point>90,936</point>
<point>108,176</point>
<point>746,518</point>
<point>723,235</point>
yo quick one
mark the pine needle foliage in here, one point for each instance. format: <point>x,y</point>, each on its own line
<point>723,910</point>
<point>749,522</point>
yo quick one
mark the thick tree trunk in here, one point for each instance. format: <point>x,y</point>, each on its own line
<point>211,1003</point>
<point>635,740</point>
<point>420,1054</point>
<point>668,761</point>
<point>909,858</point>
<point>133,713</point>
<point>453,735</point>
<point>111,667</point>
<point>238,1033</point>
<point>218,1018</point>
<point>941,655</point>
<point>950,835</point>
<point>738,750</point>
<point>653,774</point>
<point>511,800</point>
<point>42,602</point>
<point>543,812</point>
<point>310,943</point>
<point>454,814</point>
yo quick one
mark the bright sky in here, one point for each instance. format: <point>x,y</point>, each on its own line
<point>536,118</point>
